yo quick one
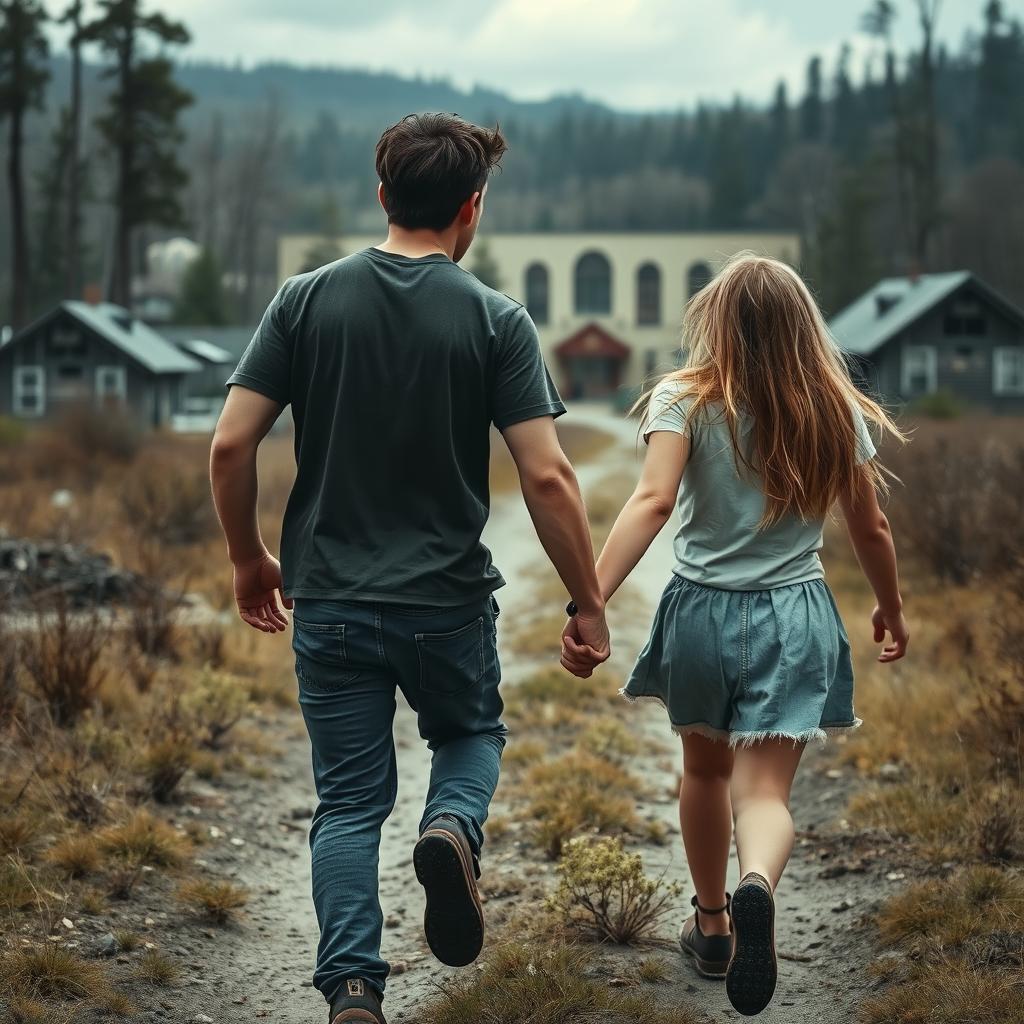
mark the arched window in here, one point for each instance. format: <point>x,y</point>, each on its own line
<point>697,277</point>
<point>648,294</point>
<point>537,293</point>
<point>593,283</point>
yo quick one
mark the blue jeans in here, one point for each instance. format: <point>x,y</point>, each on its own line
<point>349,659</point>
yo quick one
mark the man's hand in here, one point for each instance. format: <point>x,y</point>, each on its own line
<point>257,588</point>
<point>895,625</point>
<point>585,644</point>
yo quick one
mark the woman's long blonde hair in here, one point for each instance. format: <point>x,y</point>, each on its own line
<point>756,343</point>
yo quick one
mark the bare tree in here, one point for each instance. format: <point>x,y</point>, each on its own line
<point>256,173</point>
<point>73,285</point>
<point>23,76</point>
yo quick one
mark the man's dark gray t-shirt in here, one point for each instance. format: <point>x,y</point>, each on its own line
<point>395,369</point>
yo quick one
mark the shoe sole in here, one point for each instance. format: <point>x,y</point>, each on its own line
<point>454,918</point>
<point>715,970</point>
<point>753,970</point>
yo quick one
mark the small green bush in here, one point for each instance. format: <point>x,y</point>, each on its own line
<point>939,405</point>
<point>12,432</point>
<point>603,890</point>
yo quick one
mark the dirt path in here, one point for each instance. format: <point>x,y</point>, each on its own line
<point>264,971</point>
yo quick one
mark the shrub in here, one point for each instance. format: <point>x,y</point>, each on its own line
<point>63,657</point>
<point>95,434</point>
<point>949,492</point>
<point>164,764</point>
<point>939,405</point>
<point>18,890</point>
<point>168,502</point>
<point>215,900</point>
<point>19,833</point>
<point>576,792</point>
<point>216,702</point>
<point>603,889</point>
<point>12,432</point>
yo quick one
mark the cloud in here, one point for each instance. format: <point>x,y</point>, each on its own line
<point>633,54</point>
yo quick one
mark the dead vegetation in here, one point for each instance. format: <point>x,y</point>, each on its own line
<point>544,984</point>
<point>943,748</point>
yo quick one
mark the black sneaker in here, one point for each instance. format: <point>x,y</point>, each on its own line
<point>446,868</point>
<point>356,1002</point>
<point>711,953</point>
<point>753,971</point>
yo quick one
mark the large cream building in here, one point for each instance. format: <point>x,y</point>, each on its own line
<point>607,306</point>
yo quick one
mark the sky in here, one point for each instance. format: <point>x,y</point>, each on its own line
<point>631,54</point>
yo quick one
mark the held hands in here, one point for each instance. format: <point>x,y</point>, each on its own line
<point>585,644</point>
<point>257,589</point>
<point>895,625</point>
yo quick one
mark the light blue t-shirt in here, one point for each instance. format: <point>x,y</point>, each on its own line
<point>720,543</point>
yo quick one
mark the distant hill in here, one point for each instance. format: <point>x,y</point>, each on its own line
<point>356,98</point>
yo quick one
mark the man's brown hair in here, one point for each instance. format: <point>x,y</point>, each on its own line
<point>430,164</point>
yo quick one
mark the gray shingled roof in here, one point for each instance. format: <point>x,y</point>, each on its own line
<point>861,330</point>
<point>133,337</point>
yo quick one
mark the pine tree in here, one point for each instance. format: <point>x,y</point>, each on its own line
<point>141,126</point>
<point>23,77</point>
<point>812,108</point>
<point>201,300</point>
<point>73,118</point>
<point>485,267</point>
<point>780,122</point>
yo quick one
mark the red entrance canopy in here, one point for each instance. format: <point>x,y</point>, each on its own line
<point>592,340</point>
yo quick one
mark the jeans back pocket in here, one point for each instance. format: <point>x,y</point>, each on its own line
<point>451,662</point>
<point>320,655</point>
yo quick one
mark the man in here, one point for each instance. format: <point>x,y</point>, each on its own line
<point>396,362</point>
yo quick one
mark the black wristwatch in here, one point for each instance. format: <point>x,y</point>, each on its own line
<point>571,609</point>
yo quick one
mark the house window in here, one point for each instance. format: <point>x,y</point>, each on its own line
<point>697,277</point>
<point>111,385</point>
<point>648,294</point>
<point>1008,371</point>
<point>537,293</point>
<point>29,391</point>
<point>593,284</point>
<point>919,370</point>
<point>965,326</point>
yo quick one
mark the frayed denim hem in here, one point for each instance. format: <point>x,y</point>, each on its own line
<point>736,739</point>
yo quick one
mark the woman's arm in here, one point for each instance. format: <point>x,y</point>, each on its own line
<point>872,543</point>
<point>646,512</point>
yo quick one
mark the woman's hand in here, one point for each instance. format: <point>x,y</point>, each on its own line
<point>895,625</point>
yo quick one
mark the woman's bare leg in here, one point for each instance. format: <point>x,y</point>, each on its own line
<point>705,816</point>
<point>761,783</point>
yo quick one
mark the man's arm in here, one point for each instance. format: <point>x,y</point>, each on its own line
<point>553,497</point>
<point>245,421</point>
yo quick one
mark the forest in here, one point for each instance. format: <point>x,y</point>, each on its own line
<point>905,162</point>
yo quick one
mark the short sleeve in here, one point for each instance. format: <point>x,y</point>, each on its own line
<point>666,410</point>
<point>522,386</point>
<point>266,364</point>
<point>865,446</point>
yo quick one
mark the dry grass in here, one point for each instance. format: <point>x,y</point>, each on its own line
<point>157,968</point>
<point>144,840</point>
<point>653,970</point>
<point>76,855</point>
<point>216,901</point>
<point>942,749</point>
<point>543,985</point>
<point>51,973</point>
<point>577,793</point>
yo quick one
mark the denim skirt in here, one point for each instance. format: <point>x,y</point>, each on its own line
<point>748,665</point>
